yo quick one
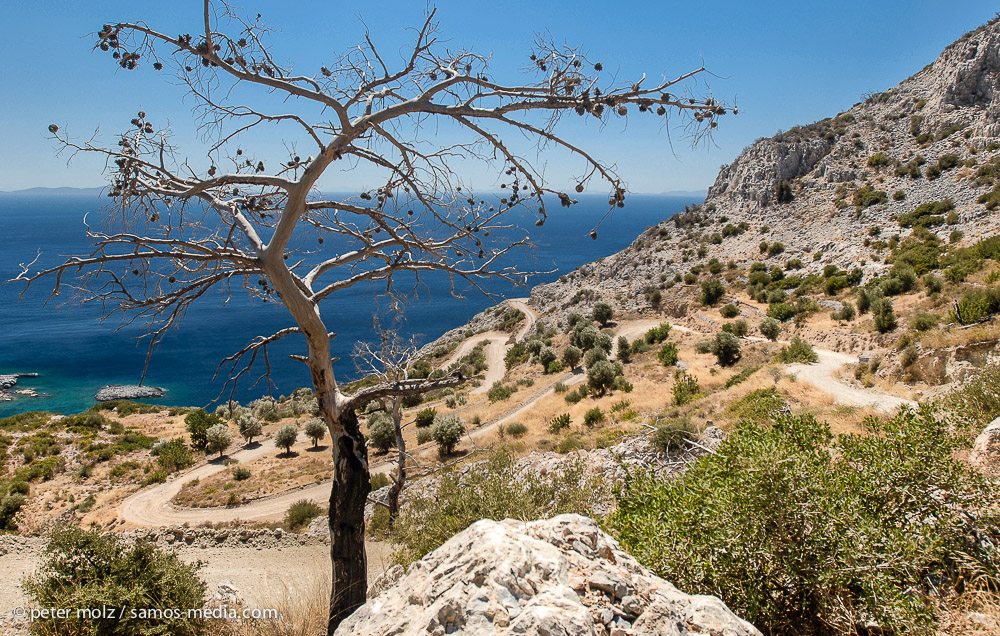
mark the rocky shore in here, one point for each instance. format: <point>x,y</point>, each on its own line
<point>9,381</point>
<point>128,392</point>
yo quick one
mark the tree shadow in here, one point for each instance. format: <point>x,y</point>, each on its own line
<point>252,445</point>
<point>316,449</point>
<point>288,454</point>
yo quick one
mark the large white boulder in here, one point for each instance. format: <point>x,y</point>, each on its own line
<point>558,577</point>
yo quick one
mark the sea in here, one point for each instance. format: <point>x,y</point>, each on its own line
<point>75,352</point>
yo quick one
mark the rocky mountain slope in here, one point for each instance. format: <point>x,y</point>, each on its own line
<point>832,192</point>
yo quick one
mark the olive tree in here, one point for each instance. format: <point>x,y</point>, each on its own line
<point>237,215</point>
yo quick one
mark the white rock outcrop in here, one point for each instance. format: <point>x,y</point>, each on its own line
<point>557,577</point>
<point>985,455</point>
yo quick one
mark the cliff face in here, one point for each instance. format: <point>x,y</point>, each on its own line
<point>831,192</point>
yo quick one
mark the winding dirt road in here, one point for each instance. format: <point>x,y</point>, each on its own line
<point>151,506</point>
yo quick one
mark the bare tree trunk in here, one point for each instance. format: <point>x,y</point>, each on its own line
<point>399,481</point>
<point>351,485</point>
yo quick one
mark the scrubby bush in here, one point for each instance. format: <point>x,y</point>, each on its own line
<point>667,355</point>
<point>300,513</point>
<point>781,311</point>
<point>198,422</point>
<point>798,351</point>
<point>285,437</point>
<point>977,401</point>
<point>546,356</point>
<point>685,389</point>
<point>249,426</point>
<point>517,429</point>
<point>923,321</point>
<point>846,312</point>
<point>494,489</point>
<point>381,431</point>
<point>800,532</point>
<point>447,432</point>
<point>593,417</point>
<point>218,439</point>
<point>977,304</point>
<point>315,430</point>
<point>932,284</point>
<point>671,435</point>
<point>711,292</point>
<point>758,406</point>
<point>10,505</point>
<point>241,473</point>
<point>425,417</point>
<point>770,328</point>
<point>624,350</point>
<point>729,311</point>
<point>424,435</point>
<point>94,571</point>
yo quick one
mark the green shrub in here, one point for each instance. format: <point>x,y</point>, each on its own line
<point>667,355</point>
<point>425,417</point>
<point>517,429</point>
<point>685,389</point>
<point>92,571</point>
<point>739,328</point>
<point>657,334</point>
<point>559,422</point>
<point>124,408</point>
<point>300,513</point>
<point>672,435</point>
<point>803,533</point>
<point>781,311</point>
<point>155,477</point>
<point>241,473</point>
<point>798,351</point>
<point>770,328</point>
<point>867,196</point>
<point>927,214</point>
<point>494,489</point>
<point>9,506</point>
<point>882,312</point>
<point>381,431</point>
<point>573,397</point>
<point>711,292</point>
<point>285,437</point>
<point>447,432</point>
<point>378,481</point>
<point>218,439</point>
<point>977,305</point>
<point>775,248</point>
<point>846,312</point>
<point>517,354</point>
<point>174,455</point>
<point>424,435</point>
<point>499,392</point>
<point>879,160</point>
<point>923,321</point>
<point>729,311</point>
<point>593,417</point>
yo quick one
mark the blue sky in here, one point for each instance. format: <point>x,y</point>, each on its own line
<point>784,63</point>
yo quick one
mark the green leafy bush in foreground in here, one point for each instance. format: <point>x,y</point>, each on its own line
<point>93,570</point>
<point>798,351</point>
<point>800,533</point>
<point>491,489</point>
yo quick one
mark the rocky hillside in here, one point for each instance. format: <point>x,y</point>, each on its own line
<point>841,191</point>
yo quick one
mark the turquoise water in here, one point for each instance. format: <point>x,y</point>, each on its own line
<point>75,354</point>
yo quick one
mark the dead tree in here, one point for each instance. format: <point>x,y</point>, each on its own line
<point>181,225</point>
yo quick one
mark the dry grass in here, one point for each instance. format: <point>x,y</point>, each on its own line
<point>974,613</point>
<point>300,613</point>
<point>268,475</point>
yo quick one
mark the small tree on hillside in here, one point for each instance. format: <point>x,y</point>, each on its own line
<point>250,426</point>
<point>198,422</point>
<point>770,328</point>
<point>244,217</point>
<point>603,313</point>
<point>711,292</point>
<point>571,356</point>
<point>285,437</point>
<point>218,439</point>
<point>315,430</point>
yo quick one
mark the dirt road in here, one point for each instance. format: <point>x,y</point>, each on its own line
<point>824,376</point>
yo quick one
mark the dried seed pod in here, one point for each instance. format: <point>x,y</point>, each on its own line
<point>53,128</point>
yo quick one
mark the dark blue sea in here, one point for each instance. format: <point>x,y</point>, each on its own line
<point>75,353</point>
